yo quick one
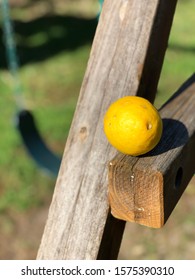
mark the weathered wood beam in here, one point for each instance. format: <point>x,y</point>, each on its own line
<point>146,189</point>
<point>126,59</point>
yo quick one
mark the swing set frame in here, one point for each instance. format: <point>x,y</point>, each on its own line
<point>126,58</point>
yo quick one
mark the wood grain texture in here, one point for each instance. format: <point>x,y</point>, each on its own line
<point>123,49</point>
<point>146,189</point>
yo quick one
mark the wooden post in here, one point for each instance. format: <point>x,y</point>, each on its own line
<point>146,189</point>
<point>126,59</point>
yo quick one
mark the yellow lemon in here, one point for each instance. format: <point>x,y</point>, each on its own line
<point>133,125</point>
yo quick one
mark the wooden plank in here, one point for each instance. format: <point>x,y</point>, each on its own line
<point>146,189</point>
<point>111,239</point>
<point>128,34</point>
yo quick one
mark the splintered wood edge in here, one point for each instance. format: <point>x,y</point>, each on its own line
<point>146,189</point>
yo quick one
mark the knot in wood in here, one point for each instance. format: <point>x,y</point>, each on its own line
<point>83,133</point>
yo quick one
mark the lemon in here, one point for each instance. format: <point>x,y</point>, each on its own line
<point>133,125</point>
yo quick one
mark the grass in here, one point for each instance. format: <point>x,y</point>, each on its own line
<point>179,63</point>
<point>51,87</point>
<point>54,101</point>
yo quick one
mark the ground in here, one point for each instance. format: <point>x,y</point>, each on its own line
<point>21,233</point>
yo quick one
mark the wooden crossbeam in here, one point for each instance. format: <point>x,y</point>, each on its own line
<point>126,59</point>
<point>146,189</point>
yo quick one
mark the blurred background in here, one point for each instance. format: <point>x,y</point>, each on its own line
<point>53,42</point>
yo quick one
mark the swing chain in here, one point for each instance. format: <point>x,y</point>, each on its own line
<point>11,53</point>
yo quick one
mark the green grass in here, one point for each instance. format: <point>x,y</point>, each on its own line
<point>179,63</point>
<point>51,88</point>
